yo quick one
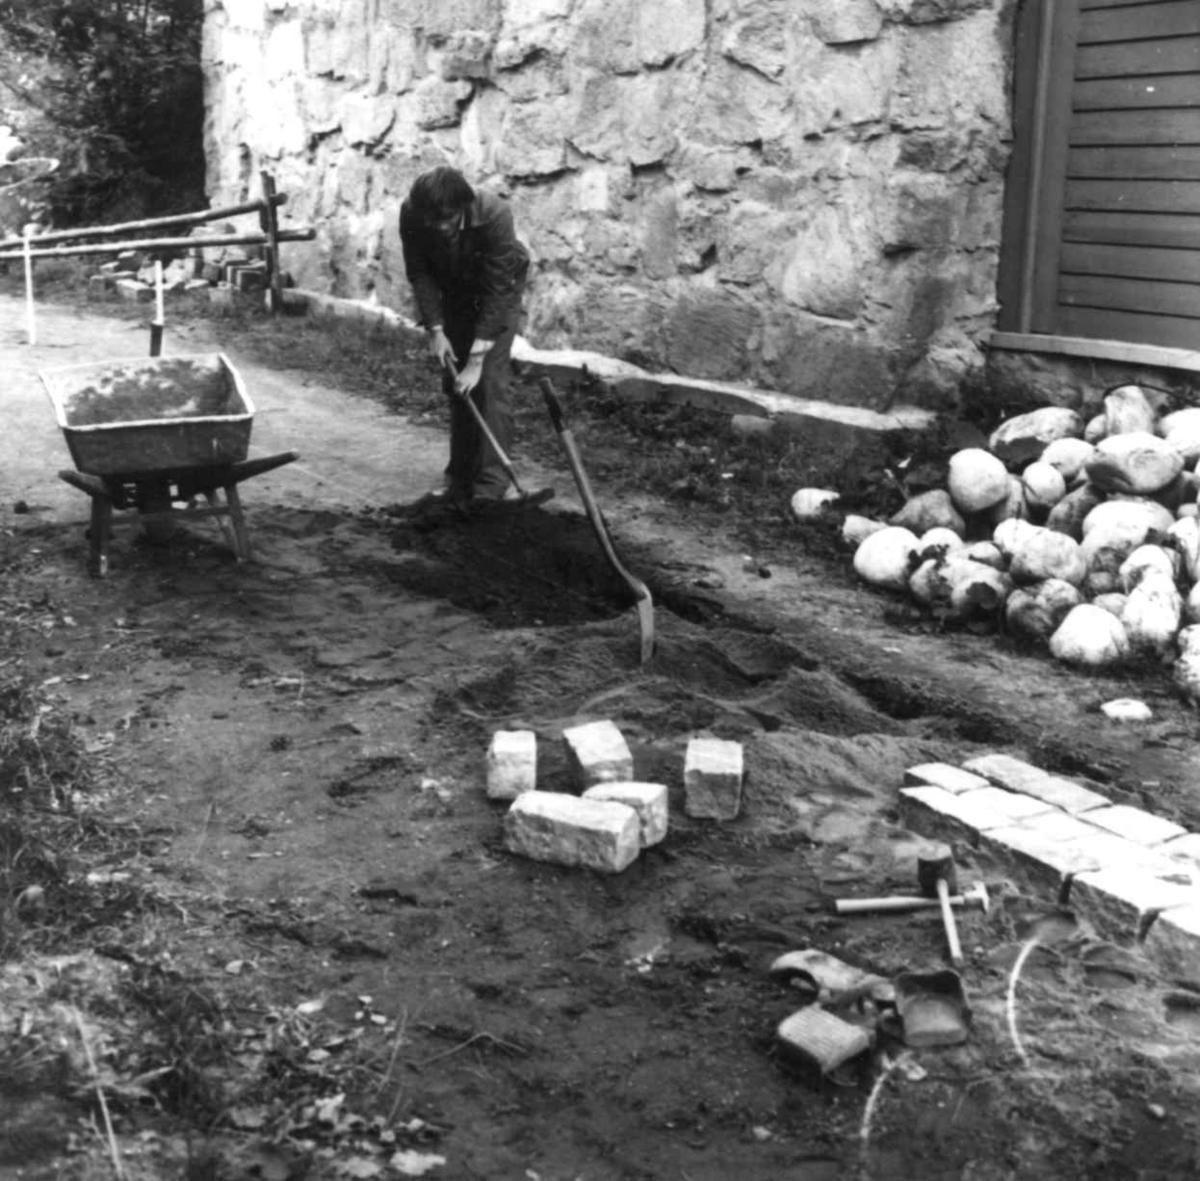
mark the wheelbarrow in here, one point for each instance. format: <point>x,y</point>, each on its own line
<point>150,437</point>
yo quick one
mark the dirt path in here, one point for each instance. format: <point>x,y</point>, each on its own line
<point>305,734</point>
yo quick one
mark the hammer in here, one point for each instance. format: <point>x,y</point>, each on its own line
<point>975,895</point>
<point>937,875</point>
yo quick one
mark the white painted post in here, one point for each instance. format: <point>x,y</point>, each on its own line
<point>30,323</point>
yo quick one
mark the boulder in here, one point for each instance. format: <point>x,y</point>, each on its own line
<point>1035,612</point>
<point>887,557</point>
<point>1069,456</point>
<point>976,480</point>
<point>1181,429</point>
<point>1135,462</point>
<point>1127,410</point>
<point>1043,486</point>
<point>1090,637</point>
<point>930,510</point>
<point>1025,437</point>
<point>1153,615</point>
<point>1068,515</point>
<point>1048,554</point>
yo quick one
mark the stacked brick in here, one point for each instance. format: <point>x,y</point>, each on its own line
<point>611,816</point>
<point>1135,876</point>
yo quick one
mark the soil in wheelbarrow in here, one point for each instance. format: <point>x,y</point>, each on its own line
<point>277,911</point>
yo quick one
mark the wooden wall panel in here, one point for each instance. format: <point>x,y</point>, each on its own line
<point>1132,59</point>
<point>1124,94</point>
<point>1099,324</point>
<point>1131,295</point>
<point>1163,162</point>
<point>1134,196</point>
<point>1135,22</point>
<point>1174,231</point>
<point>1101,128</point>
<point>1131,262</point>
<point>1123,205</point>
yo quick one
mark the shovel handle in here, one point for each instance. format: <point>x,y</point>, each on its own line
<point>553,405</point>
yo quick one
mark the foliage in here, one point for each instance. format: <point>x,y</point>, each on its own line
<point>114,90</point>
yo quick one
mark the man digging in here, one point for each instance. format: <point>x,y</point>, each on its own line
<point>468,270</point>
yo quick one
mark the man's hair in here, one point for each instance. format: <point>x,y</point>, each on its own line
<point>440,194</point>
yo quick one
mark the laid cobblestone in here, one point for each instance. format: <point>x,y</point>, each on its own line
<point>952,779</point>
<point>1121,902</point>
<point>1143,828</point>
<point>1173,943</point>
<point>936,812</point>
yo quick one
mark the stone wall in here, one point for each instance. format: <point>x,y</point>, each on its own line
<point>799,194</point>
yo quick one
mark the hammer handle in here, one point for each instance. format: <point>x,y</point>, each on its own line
<point>896,902</point>
<point>948,921</point>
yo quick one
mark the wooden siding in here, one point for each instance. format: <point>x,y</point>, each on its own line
<point>1130,257</point>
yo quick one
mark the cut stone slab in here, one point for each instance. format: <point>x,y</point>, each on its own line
<point>629,381</point>
<point>933,811</point>
<point>569,830</point>
<point>1173,943</point>
<point>949,778</point>
<point>648,800</point>
<point>1185,849</point>
<point>134,291</point>
<point>1014,804</point>
<point>1004,770</point>
<point>511,764</point>
<point>598,753</point>
<point>1121,902</point>
<point>1066,794</point>
<point>712,778</point>
<point>1046,859</point>
<point>1143,828</point>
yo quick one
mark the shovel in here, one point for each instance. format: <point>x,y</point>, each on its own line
<point>528,499</point>
<point>645,604</point>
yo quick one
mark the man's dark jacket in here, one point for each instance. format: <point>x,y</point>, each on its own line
<point>478,280</point>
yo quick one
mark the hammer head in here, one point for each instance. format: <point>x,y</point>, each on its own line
<point>936,863</point>
<point>977,895</point>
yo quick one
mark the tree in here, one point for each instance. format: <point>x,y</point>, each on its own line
<point>119,92</point>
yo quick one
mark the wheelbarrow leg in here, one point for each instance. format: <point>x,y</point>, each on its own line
<point>100,527</point>
<point>237,520</point>
<point>236,535</point>
<point>99,532</point>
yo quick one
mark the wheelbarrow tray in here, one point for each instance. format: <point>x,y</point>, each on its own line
<point>152,416</point>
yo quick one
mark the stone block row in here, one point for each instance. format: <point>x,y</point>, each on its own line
<point>1134,875</point>
<point>614,816</point>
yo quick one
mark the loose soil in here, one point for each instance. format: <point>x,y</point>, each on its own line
<point>305,952</point>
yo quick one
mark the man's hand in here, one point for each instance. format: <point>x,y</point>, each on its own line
<point>470,374</point>
<point>441,348</point>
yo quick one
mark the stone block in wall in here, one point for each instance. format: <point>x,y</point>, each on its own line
<point>924,12</point>
<point>758,41</point>
<point>441,19</point>
<point>533,143</point>
<point>847,22</point>
<point>467,53</point>
<point>924,213</point>
<point>439,104</point>
<point>707,333</point>
<point>366,119</point>
<point>812,358</point>
<point>628,119</point>
<point>821,268</point>
<point>659,232</point>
